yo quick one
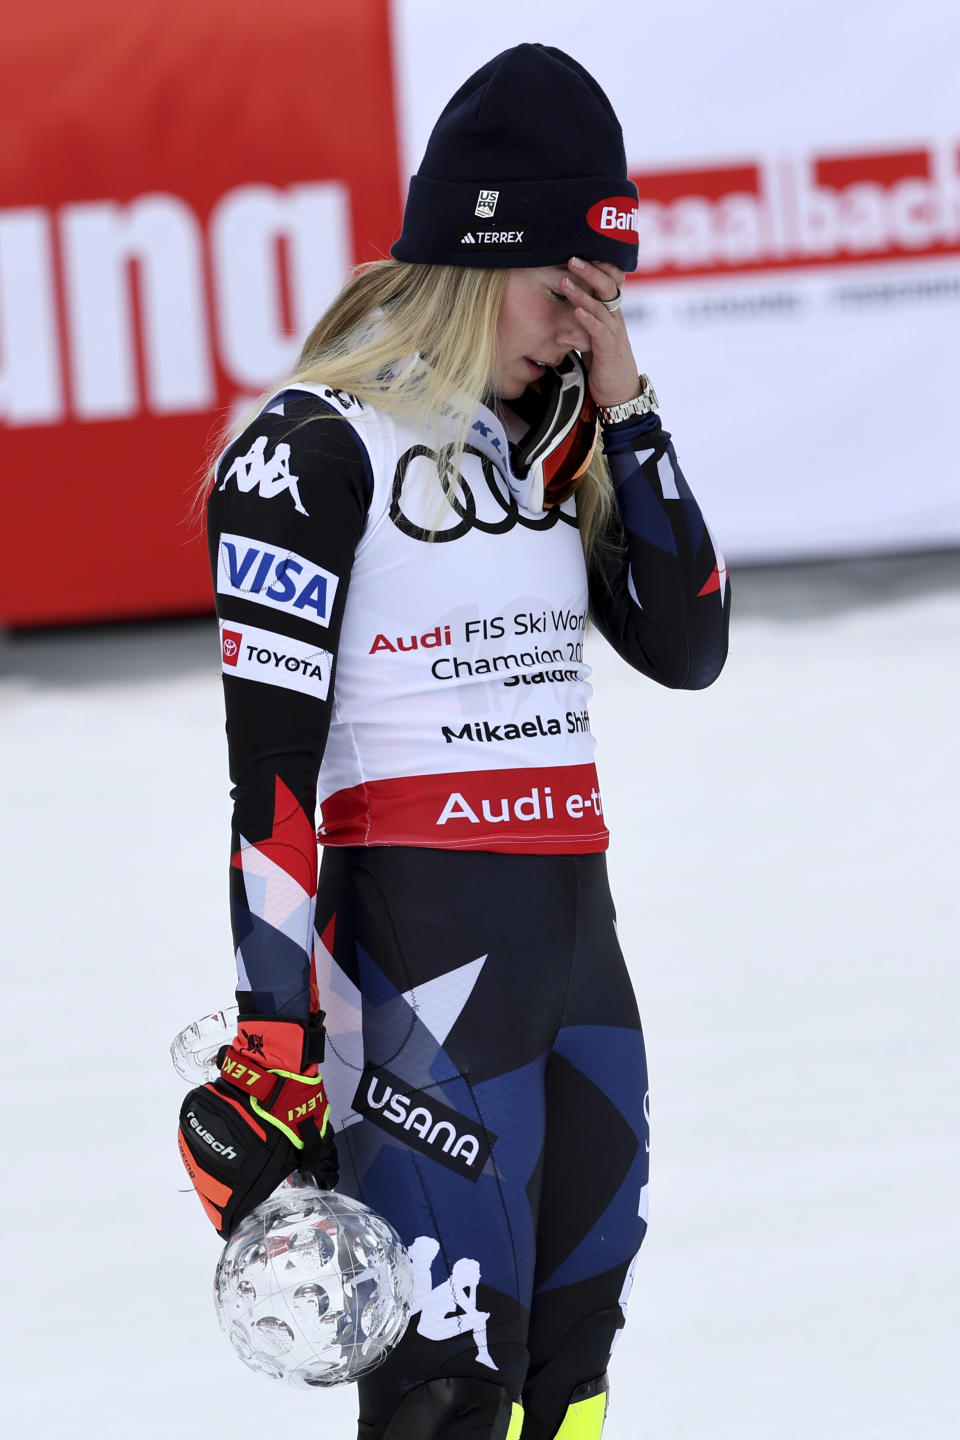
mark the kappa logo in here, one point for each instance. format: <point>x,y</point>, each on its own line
<point>450,1308</point>
<point>270,477</point>
<point>423,1122</point>
<point>487,204</point>
<point>279,579</point>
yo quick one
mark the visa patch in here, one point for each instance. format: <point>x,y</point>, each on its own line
<point>271,659</point>
<point>279,579</point>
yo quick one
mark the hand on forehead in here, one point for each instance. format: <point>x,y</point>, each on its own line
<point>594,276</point>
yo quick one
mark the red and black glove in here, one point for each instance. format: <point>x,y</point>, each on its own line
<point>264,1117</point>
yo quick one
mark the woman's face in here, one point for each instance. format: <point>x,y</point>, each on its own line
<point>536,327</point>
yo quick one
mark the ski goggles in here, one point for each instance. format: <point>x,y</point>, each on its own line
<point>559,445</point>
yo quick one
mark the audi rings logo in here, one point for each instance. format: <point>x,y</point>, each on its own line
<point>231,646</point>
<point>462,511</point>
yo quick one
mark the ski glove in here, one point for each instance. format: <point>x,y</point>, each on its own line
<point>265,1116</point>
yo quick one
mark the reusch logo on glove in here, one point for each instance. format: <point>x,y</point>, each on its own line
<point>219,1147</point>
<point>618,217</point>
<point>423,1122</point>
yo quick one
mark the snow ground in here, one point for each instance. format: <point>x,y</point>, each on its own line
<point>782,862</point>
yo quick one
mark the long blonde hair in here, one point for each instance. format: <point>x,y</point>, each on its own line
<point>391,311</point>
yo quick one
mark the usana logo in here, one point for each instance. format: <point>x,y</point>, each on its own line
<point>423,1121</point>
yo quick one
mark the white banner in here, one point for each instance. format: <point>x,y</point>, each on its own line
<point>798,296</point>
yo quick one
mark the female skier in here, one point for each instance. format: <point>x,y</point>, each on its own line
<point>406,543</point>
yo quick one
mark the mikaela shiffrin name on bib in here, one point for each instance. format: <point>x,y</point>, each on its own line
<point>483,732</point>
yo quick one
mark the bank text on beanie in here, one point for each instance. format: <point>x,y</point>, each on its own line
<point>524,167</point>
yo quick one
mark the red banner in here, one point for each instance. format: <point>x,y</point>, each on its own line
<point>182,189</point>
<point>798,212</point>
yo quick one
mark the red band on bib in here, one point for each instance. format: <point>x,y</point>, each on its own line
<point>556,810</point>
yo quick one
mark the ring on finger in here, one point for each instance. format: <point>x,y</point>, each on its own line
<point>614,304</point>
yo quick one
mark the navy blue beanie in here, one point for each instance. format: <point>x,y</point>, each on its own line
<point>524,167</point>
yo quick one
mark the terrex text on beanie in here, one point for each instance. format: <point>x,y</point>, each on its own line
<point>524,167</point>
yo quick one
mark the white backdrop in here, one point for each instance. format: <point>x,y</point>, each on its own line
<point>808,398</point>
